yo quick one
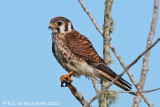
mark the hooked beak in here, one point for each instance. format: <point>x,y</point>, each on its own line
<point>50,27</point>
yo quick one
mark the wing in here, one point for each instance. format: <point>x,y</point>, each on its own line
<point>80,46</point>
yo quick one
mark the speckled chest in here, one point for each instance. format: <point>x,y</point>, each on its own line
<point>63,55</point>
<point>68,60</point>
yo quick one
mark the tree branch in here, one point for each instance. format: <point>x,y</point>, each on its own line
<point>107,30</point>
<point>91,17</point>
<point>141,83</point>
<point>113,81</point>
<point>147,91</point>
<point>77,94</point>
<point>95,85</point>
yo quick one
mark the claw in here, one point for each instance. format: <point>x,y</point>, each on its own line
<point>65,79</point>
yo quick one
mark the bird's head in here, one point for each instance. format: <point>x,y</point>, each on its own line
<point>60,25</point>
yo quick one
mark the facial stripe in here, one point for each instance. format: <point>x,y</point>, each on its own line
<point>66,27</point>
<point>71,26</point>
<point>58,29</point>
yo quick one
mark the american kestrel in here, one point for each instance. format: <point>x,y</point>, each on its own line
<point>77,56</point>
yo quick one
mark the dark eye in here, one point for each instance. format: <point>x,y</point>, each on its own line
<point>59,23</point>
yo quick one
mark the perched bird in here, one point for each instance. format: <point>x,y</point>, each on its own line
<point>77,56</point>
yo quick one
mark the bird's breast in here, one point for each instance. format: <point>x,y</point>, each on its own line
<point>63,54</point>
<point>68,60</point>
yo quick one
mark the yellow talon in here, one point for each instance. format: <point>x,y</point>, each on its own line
<point>67,77</point>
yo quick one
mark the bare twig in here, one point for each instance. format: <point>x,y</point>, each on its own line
<point>141,83</point>
<point>113,81</point>
<point>95,85</point>
<point>147,91</point>
<point>77,94</point>
<point>91,17</point>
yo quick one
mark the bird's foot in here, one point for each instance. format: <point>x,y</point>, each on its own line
<point>66,79</point>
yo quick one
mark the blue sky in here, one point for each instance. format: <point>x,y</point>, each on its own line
<point>28,70</point>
